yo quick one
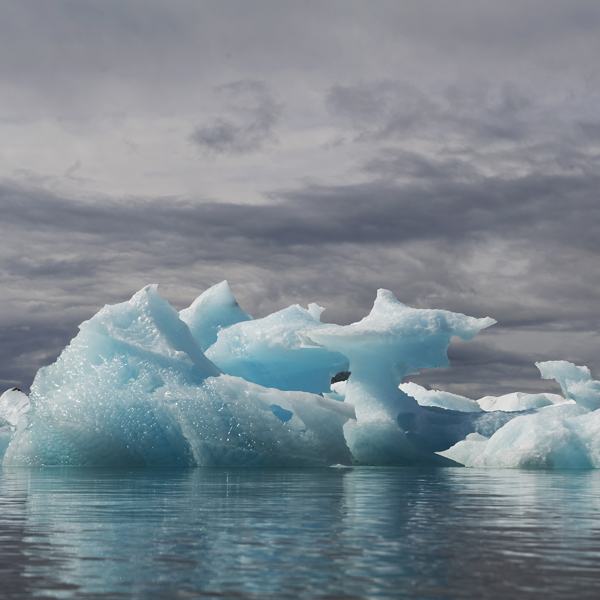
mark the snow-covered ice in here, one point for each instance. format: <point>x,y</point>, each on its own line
<point>144,385</point>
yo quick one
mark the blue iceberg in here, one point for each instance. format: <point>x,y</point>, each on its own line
<point>144,385</point>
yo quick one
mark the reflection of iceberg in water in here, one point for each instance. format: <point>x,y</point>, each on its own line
<point>144,385</point>
<point>299,533</point>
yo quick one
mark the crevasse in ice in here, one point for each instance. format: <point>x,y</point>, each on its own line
<point>144,385</point>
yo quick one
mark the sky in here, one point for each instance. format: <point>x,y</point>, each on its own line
<point>309,151</point>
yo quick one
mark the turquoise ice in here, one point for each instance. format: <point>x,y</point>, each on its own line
<point>143,385</point>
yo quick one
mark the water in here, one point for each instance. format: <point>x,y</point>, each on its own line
<point>314,533</point>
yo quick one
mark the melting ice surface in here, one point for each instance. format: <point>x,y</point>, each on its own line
<point>144,385</point>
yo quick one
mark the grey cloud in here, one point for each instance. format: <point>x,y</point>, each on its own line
<point>471,183</point>
<point>394,163</point>
<point>384,110</point>
<point>333,245</point>
<point>535,208</point>
<point>45,268</point>
<point>256,113</point>
<point>24,350</point>
<point>490,371</point>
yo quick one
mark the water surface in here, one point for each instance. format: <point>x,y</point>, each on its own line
<point>312,533</point>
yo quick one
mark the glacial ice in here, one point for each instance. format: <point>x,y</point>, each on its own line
<point>269,352</point>
<point>575,382</point>
<point>212,311</point>
<point>13,404</point>
<point>134,388</point>
<point>564,434</point>
<point>513,402</point>
<point>516,401</point>
<point>144,385</point>
<point>440,398</point>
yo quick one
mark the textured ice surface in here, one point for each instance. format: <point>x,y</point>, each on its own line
<point>513,402</point>
<point>520,401</point>
<point>440,398</point>
<point>565,434</point>
<point>269,352</point>
<point>394,340</point>
<point>13,404</point>
<point>338,391</point>
<point>134,388</point>
<point>212,311</point>
<point>576,382</point>
<point>560,436</point>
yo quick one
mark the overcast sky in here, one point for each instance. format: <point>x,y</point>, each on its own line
<point>306,152</point>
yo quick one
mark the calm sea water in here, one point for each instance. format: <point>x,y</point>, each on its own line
<point>315,533</point>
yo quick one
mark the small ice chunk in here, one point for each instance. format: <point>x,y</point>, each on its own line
<point>467,451</point>
<point>13,404</point>
<point>565,436</point>
<point>315,311</point>
<point>439,398</point>
<point>338,391</point>
<point>576,382</point>
<point>516,401</point>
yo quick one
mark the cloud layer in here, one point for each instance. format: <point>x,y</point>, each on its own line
<point>306,153</point>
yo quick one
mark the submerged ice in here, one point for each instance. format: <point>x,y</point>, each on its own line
<point>210,386</point>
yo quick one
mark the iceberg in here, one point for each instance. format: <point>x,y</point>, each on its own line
<point>395,340</point>
<point>563,434</point>
<point>516,401</point>
<point>135,388</point>
<point>513,402</point>
<point>144,385</point>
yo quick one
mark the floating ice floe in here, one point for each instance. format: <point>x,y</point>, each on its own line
<point>513,402</point>
<point>144,385</point>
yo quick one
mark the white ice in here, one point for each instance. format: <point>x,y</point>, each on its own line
<point>136,388</point>
<point>394,340</point>
<point>562,435</point>
<point>440,398</point>
<point>576,382</point>
<point>13,404</point>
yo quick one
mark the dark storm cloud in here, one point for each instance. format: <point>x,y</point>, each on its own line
<point>256,113</point>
